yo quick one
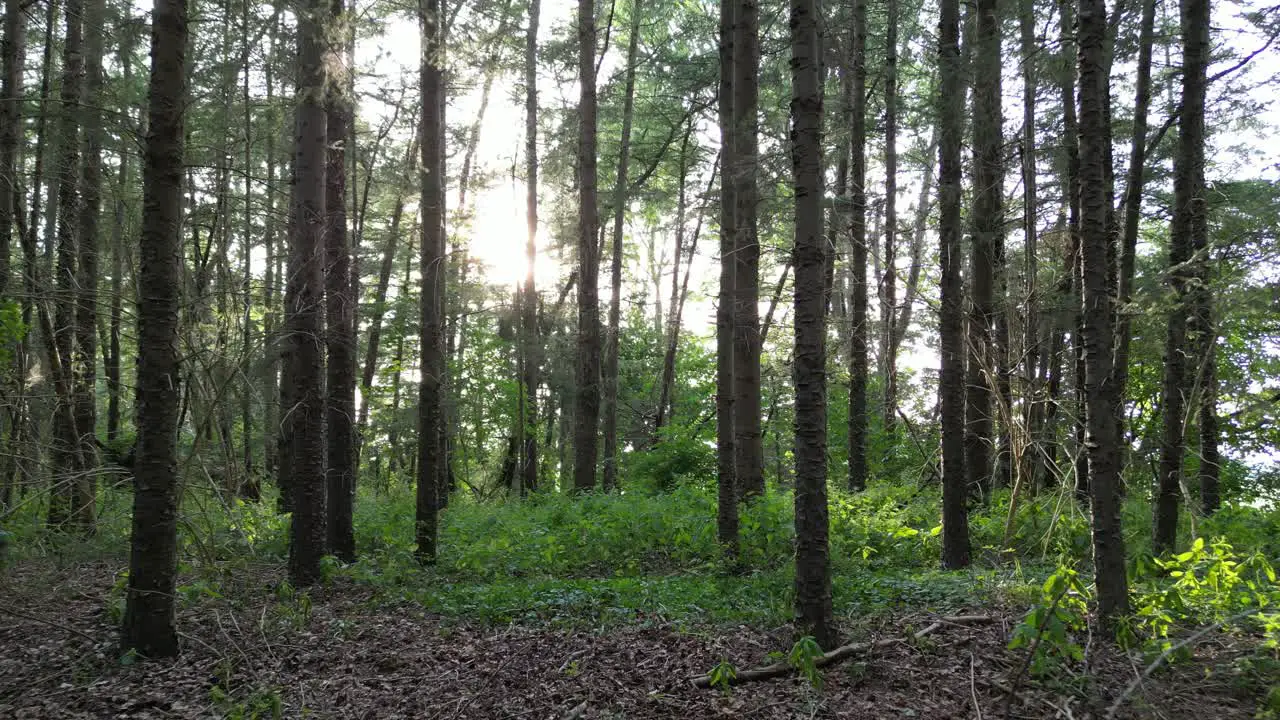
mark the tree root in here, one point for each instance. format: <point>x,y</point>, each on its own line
<point>839,654</point>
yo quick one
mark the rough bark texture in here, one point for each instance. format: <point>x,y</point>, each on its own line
<point>340,312</point>
<point>955,520</point>
<point>304,320</point>
<point>1184,232</point>
<point>748,449</point>
<point>856,94</point>
<point>1104,453</point>
<point>149,616</point>
<point>529,308</point>
<point>587,414</point>
<point>726,459</point>
<point>889,280</point>
<point>432,464</point>
<point>1030,237</point>
<point>12,59</point>
<point>988,243</point>
<point>610,371</point>
<point>813,566</point>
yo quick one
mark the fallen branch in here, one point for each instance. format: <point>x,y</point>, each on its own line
<point>839,654</point>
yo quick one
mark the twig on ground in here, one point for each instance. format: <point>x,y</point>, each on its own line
<point>1155,664</point>
<point>50,623</point>
<point>973,686</point>
<point>841,653</point>
<point>576,711</point>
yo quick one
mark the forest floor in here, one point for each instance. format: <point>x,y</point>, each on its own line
<point>345,651</point>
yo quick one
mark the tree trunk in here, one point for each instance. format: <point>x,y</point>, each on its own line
<point>986,364</point>
<point>69,493</point>
<point>726,459</point>
<point>955,520</point>
<point>1104,453</point>
<point>856,99</point>
<point>610,371</point>
<point>304,319</point>
<point>889,280</point>
<point>749,463</point>
<point>530,347</point>
<point>432,462</point>
<point>585,440</point>
<point>1185,235</point>
<point>1030,239</point>
<point>13,59</point>
<point>149,607</point>
<point>340,336</point>
<point>1133,205</point>
<point>813,567</point>
<point>675,305</point>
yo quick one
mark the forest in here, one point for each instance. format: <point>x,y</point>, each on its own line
<point>639,359</point>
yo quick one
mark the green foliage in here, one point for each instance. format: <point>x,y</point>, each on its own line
<point>1049,629</point>
<point>722,676</point>
<point>803,657</point>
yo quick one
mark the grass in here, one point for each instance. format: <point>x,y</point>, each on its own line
<point>600,560</point>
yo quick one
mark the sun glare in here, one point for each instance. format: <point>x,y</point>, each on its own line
<point>498,235</point>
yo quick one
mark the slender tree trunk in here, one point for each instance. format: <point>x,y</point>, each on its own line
<point>985,363</point>
<point>432,461</point>
<point>726,458</point>
<point>1030,239</point>
<point>610,371</point>
<point>1133,205</point>
<point>69,493</point>
<point>856,99</point>
<point>149,606</point>
<point>924,206</point>
<point>1210,457</point>
<point>305,312</point>
<point>674,306</point>
<point>889,280</point>
<point>585,440</point>
<point>13,60</point>
<point>813,567</point>
<point>250,488</point>
<point>529,318</point>
<point>1104,453</point>
<point>270,323</point>
<point>950,104</point>
<point>749,464</point>
<point>340,336</point>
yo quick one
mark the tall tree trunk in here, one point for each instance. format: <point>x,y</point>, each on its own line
<point>585,440</point>
<point>919,228</point>
<point>340,335</point>
<point>249,488</point>
<point>432,461</point>
<point>86,355</point>
<point>955,520</point>
<point>1185,236</point>
<point>856,99</point>
<point>1030,238</point>
<point>70,492</point>
<point>610,371</point>
<point>272,346</point>
<point>1104,453</point>
<point>149,607</point>
<point>304,319</point>
<point>1133,205</point>
<point>13,60</point>
<point>726,458</point>
<point>813,566</point>
<point>889,280</point>
<point>530,347</point>
<point>748,449</point>
<point>986,363</point>
<point>121,211</point>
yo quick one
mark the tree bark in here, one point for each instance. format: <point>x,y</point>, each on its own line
<point>432,461</point>
<point>726,458</point>
<point>813,567</point>
<point>889,280</point>
<point>587,415</point>
<point>340,336</point>
<point>1186,233</point>
<point>1104,453</point>
<point>610,370</point>
<point>304,319</point>
<point>149,604</point>
<point>856,98</point>
<point>748,449</point>
<point>530,343</point>
<point>950,100</point>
